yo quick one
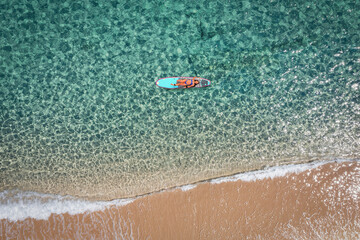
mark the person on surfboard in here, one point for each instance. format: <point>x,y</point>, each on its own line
<point>186,83</point>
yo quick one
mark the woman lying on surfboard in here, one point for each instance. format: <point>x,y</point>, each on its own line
<point>186,83</point>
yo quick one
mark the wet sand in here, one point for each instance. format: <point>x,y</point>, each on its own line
<point>319,203</point>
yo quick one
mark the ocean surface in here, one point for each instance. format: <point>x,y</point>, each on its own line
<point>80,115</point>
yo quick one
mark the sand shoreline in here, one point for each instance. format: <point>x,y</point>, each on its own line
<point>323,200</point>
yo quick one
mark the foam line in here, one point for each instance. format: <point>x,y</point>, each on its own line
<point>271,172</point>
<point>187,187</point>
<point>16,205</point>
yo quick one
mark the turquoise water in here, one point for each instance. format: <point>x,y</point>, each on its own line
<point>80,113</point>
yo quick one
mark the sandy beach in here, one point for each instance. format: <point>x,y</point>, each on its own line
<point>321,202</point>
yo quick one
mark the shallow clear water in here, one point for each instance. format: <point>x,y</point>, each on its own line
<point>80,113</point>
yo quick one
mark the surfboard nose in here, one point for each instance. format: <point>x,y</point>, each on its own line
<point>204,83</point>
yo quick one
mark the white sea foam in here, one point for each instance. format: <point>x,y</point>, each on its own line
<point>187,187</point>
<point>271,172</point>
<point>15,205</point>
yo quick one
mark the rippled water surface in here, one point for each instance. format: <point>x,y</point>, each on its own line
<point>80,113</point>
